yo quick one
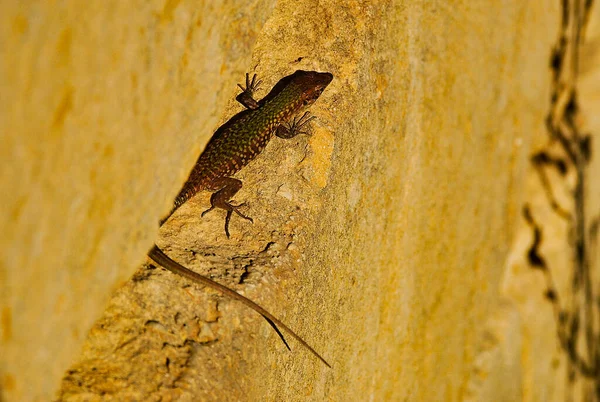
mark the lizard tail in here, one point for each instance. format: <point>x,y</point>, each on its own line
<point>158,256</point>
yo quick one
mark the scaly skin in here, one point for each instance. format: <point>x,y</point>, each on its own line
<point>232,147</point>
<point>242,138</point>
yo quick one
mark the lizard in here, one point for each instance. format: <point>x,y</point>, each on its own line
<point>235,144</point>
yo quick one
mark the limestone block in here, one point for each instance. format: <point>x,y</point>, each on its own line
<point>391,238</point>
<point>104,106</point>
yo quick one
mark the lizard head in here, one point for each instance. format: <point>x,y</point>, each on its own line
<point>312,84</point>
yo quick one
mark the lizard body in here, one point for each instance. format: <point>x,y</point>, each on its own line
<point>232,147</point>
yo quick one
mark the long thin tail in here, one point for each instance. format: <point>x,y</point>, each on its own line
<point>158,256</point>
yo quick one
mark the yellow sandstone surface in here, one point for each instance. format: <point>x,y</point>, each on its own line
<point>391,238</point>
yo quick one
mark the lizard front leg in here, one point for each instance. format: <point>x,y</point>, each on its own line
<point>295,127</point>
<point>246,97</point>
<point>222,199</point>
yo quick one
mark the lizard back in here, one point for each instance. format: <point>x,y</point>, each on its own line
<point>237,142</point>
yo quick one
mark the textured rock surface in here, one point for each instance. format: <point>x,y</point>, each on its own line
<point>392,238</point>
<point>104,107</point>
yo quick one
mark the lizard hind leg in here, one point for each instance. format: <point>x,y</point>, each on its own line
<point>222,199</point>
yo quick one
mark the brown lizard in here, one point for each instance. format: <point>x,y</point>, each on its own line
<point>232,147</point>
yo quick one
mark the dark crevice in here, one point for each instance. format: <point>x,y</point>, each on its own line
<point>578,313</point>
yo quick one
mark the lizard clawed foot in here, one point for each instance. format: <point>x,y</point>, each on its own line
<point>251,85</point>
<point>230,208</point>
<point>207,211</point>
<point>246,98</point>
<point>295,127</point>
<point>235,209</point>
<point>299,126</point>
<point>228,217</point>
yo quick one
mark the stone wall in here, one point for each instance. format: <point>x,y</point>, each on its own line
<point>392,238</point>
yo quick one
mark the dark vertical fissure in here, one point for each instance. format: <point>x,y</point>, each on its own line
<point>577,314</point>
